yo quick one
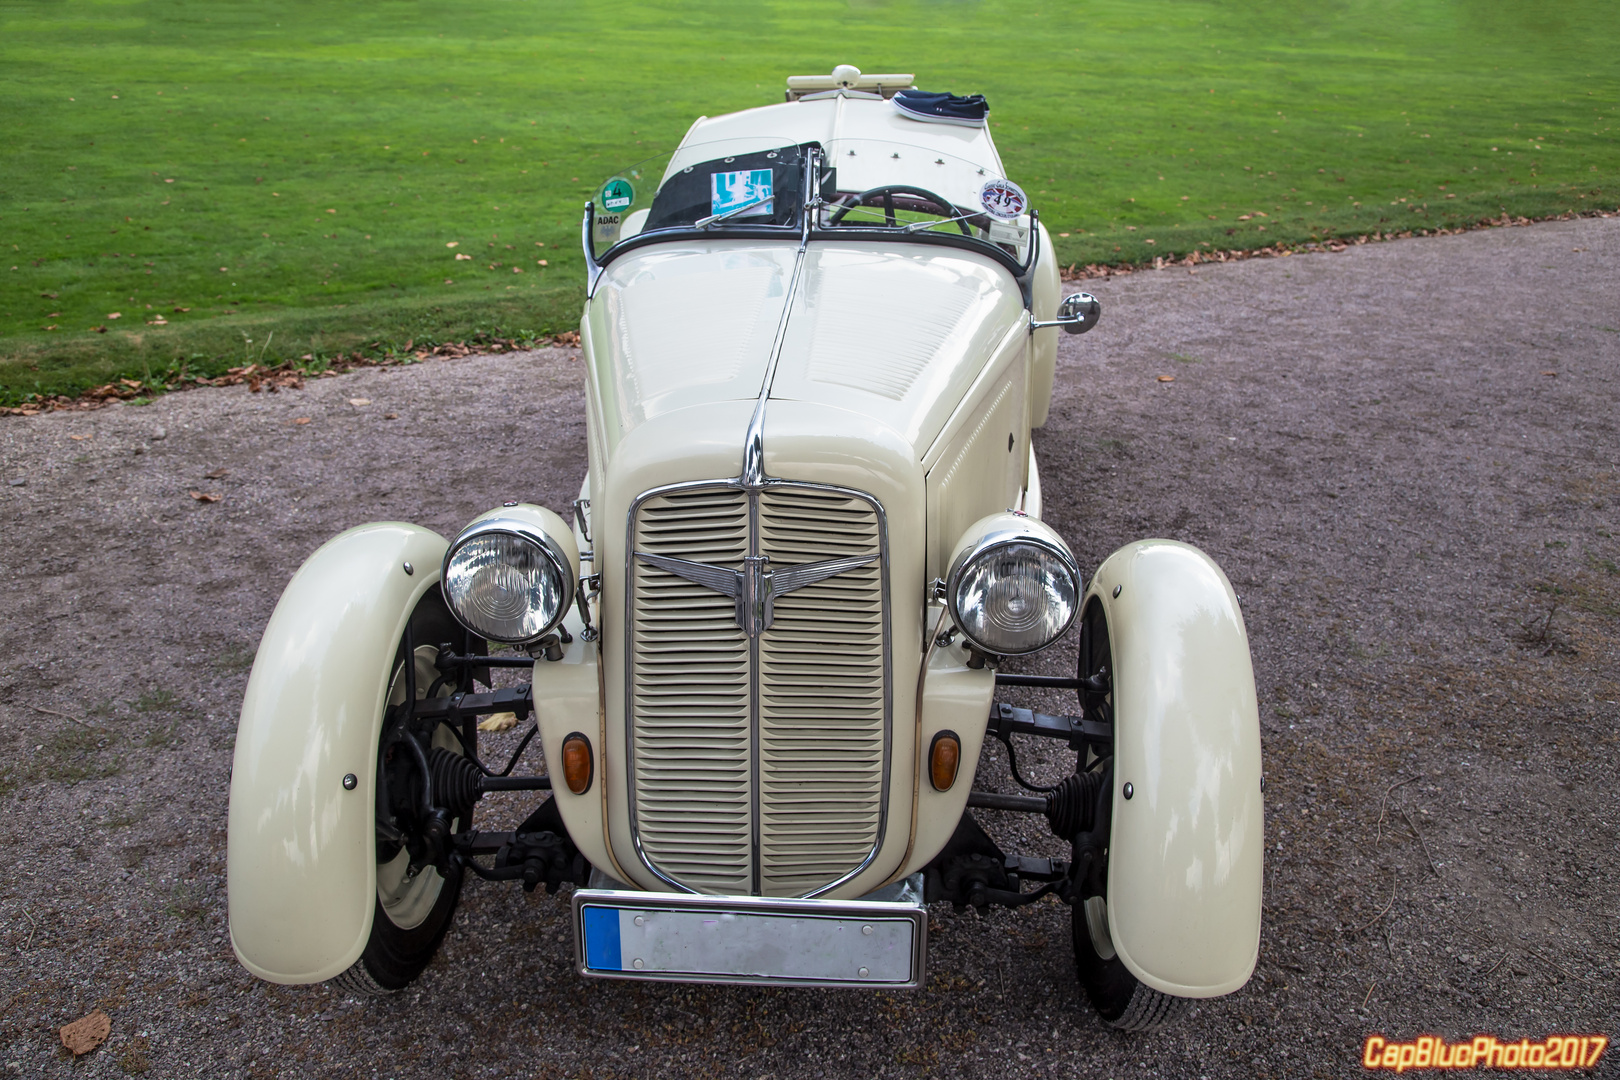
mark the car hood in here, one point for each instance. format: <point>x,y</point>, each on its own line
<point>897,332</point>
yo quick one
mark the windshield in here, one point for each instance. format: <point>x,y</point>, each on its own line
<point>863,188</point>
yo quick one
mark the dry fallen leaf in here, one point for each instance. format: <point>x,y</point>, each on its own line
<point>182,309</point>
<point>1167,378</point>
<point>453,243</point>
<point>216,474</point>
<point>206,496</point>
<point>115,314</point>
<point>301,420</point>
<point>1554,374</point>
<point>81,438</point>
<point>86,1033</point>
<point>501,721</point>
<point>544,263</point>
<point>359,401</point>
<point>463,258</point>
<point>391,416</point>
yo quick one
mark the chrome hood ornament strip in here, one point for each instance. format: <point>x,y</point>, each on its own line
<point>753,472</point>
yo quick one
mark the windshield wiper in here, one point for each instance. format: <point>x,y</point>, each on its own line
<point>704,223</point>
<point>918,226</point>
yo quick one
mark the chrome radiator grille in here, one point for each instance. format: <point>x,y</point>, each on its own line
<point>757,766</point>
<point>689,697</point>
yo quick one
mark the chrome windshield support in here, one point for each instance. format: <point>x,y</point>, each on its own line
<point>593,269</point>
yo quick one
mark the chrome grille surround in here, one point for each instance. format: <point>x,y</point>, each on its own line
<point>742,778</point>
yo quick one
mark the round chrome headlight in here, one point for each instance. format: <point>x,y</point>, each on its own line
<point>507,580</point>
<point>1015,590</point>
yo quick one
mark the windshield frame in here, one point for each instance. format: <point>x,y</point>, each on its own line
<point>808,227</point>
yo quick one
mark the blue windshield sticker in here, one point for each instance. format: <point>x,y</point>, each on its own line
<point>732,190</point>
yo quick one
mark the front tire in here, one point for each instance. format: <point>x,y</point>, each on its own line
<point>1117,995</point>
<point>413,911</point>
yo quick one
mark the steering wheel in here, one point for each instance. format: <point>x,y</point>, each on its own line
<point>887,192</point>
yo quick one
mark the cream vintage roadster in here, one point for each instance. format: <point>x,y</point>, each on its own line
<point>764,653</point>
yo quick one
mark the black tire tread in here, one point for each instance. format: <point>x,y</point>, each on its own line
<point>1152,1010</point>
<point>358,982</point>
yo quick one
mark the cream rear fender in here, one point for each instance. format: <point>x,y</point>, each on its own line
<point>1186,848</point>
<point>301,867</point>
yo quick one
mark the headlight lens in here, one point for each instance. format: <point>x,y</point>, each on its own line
<point>507,581</point>
<point>1014,593</point>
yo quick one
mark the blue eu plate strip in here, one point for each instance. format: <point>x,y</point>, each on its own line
<point>602,939</point>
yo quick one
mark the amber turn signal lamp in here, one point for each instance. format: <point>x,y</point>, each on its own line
<point>576,763</point>
<point>944,756</point>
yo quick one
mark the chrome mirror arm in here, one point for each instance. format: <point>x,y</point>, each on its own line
<point>1077,313</point>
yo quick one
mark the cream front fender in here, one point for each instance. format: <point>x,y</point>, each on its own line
<point>1184,861</point>
<point>301,872</point>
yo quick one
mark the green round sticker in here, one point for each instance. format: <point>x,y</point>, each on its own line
<point>617,194</point>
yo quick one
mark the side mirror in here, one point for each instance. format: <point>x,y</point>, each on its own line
<point>1079,312</point>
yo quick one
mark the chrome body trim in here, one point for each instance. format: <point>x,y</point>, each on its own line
<point>753,473</point>
<point>753,493</point>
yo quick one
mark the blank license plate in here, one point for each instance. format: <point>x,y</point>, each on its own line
<point>672,936</point>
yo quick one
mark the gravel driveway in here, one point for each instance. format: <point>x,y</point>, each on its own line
<point>1406,457</point>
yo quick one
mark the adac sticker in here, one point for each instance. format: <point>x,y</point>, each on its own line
<point>1003,199</point>
<point>617,195</point>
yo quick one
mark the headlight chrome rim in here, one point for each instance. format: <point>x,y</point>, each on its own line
<point>525,532</point>
<point>986,547</point>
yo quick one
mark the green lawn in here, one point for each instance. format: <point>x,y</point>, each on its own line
<point>298,169</point>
